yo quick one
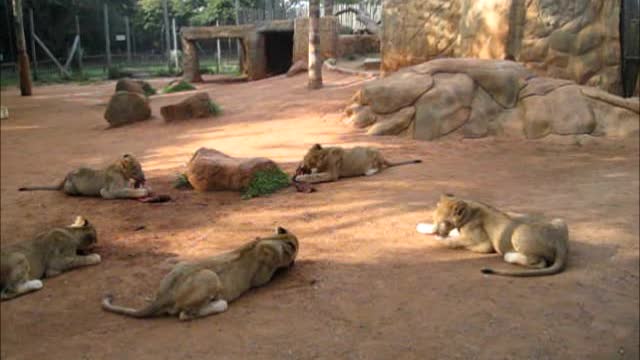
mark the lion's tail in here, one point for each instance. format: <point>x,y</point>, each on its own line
<point>559,264</point>
<point>153,309</point>
<point>50,188</point>
<point>407,162</point>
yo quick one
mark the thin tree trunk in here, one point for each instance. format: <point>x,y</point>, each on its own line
<point>315,62</point>
<point>328,7</point>
<point>23,58</point>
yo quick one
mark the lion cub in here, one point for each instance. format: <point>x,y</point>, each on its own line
<point>543,246</point>
<point>331,163</point>
<point>205,287</point>
<point>49,254</point>
<point>109,183</point>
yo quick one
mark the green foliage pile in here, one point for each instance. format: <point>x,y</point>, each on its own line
<point>178,87</point>
<point>148,89</point>
<point>266,182</point>
<point>182,182</point>
<point>214,109</point>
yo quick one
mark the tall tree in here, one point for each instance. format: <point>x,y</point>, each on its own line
<point>23,58</point>
<point>315,62</point>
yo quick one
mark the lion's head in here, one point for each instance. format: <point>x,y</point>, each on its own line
<point>313,161</point>
<point>132,169</point>
<point>450,213</point>
<point>86,234</point>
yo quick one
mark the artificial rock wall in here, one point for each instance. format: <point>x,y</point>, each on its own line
<point>577,40</point>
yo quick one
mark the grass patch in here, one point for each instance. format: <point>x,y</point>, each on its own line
<point>148,89</point>
<point>182,182</point>
<point>266,182</point>
<point>178,87</point>
<point>214,109</point>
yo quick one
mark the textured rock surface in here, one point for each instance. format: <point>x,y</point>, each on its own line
<point>127,107</point>
<point>136,86</point>
<point>297,68</point>
<point>478,98</point>
<point>577,40</point>
<point>195,106</point>
<point>211,170</point>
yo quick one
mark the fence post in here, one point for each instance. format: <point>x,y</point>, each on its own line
<point>107,40</point>
<point>80,51</point>
<point>128,34</point>
<point>33,45</point>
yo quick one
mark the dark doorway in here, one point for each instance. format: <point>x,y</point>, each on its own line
<point>279,51</point>
<point>630,43</point>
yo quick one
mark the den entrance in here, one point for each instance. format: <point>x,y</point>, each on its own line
<point>279,51</point>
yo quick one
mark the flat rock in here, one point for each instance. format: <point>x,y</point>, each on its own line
<point>212,170</point>
<point>194,106</point>
<point>127,107</point>
<point>392,93</point>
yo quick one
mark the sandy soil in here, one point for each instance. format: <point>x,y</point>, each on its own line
<point>366,285</point>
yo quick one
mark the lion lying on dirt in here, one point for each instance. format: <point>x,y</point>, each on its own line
<point>109,183</point>
<point>202,288</point>
<point>48,254</point>
<point>481,228</point>
<point>331,163</point>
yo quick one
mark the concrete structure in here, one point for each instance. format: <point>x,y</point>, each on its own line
<point>268,48</point>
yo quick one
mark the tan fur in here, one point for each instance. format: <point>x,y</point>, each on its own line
<point>322,164</point>
<point>522,240</point>
<point>48,254</point>
<point>201,288</point>
<point>113,182</point>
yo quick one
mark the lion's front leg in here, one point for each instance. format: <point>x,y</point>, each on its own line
<point>316,177</point>
<point>124,193</point>
<point>62,264</point>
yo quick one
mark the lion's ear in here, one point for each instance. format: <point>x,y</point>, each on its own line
<point>317,147</point>
<point>280,230</point>
<point>459,208</point>
<point>79,222</point>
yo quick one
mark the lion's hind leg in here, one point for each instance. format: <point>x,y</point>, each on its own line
<point>18,282</point>
<point>194,296</point>
<point>531,261</point>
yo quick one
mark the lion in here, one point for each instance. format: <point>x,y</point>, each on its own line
<point>48,254</point>
<point>202,288</point>
<point>109,183</point>
<point>521,239</point>
<point>322,164</point>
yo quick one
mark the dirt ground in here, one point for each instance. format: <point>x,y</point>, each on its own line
<point>366,285</point>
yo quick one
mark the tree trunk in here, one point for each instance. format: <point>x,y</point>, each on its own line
<point>328,7</point>
<point>315,62</point>
<point>23,58</point>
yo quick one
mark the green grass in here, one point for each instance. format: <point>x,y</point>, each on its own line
<point>214,109</point>
<point>182,182</point>
<point>266,182</point>
<point>178,87</point>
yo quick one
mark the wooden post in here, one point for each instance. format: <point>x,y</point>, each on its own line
<point>23,58</point>
<point>167,41</point>
<point>128,34</point>
<point>107,40</point>
<point>80,51</point>
<point>237,9</point>
<point>32,31</point>
<point>175,42</point>
<point>315,62</point>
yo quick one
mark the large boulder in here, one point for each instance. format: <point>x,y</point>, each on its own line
<point>127,107</point>
<point>211,170</point>
<point>136,86</point>
<point>195,106</point>
<point>391,94</point>
<point>393,124</point>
